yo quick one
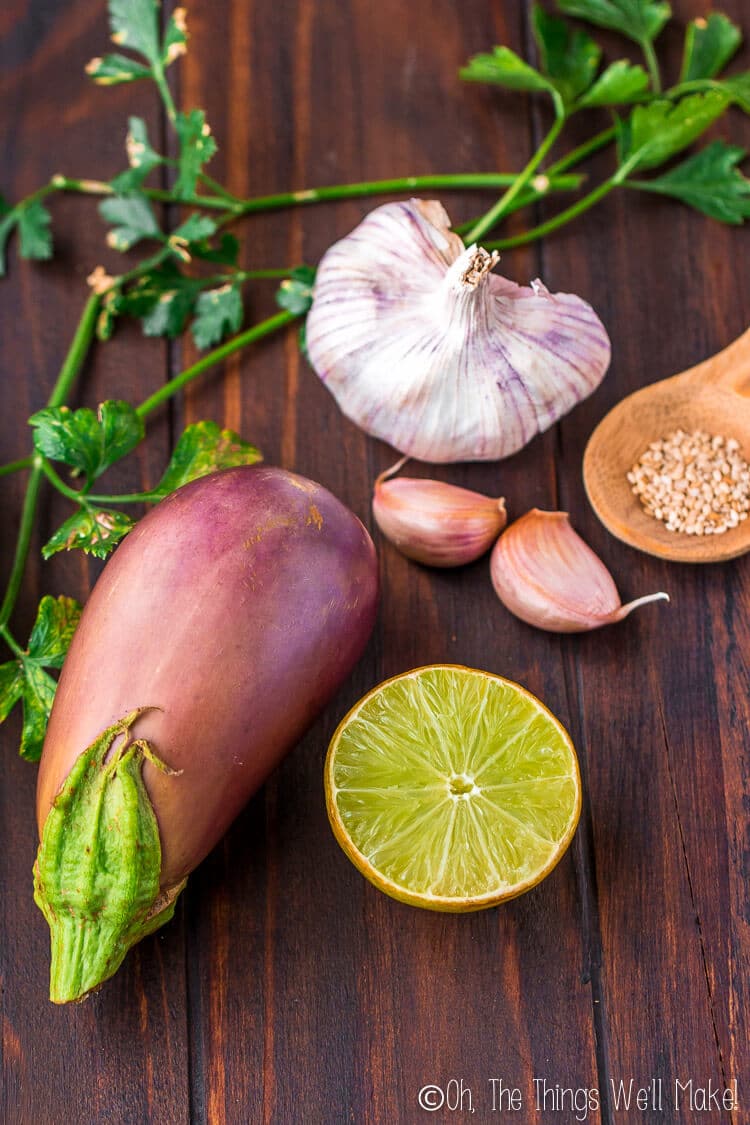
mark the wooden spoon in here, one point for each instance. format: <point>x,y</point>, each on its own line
<point>713,397</point>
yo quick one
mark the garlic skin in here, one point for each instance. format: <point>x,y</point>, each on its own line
<point>544,573</point>
<point>435,523</point>
<point>422,346</point>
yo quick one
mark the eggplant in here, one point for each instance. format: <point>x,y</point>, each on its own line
<point>216,633</point>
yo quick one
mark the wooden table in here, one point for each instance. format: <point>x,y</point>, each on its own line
<point>287,989</point>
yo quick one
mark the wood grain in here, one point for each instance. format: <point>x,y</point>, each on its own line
<point>288,989</point>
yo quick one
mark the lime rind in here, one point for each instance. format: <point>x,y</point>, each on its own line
<point>452,788</point>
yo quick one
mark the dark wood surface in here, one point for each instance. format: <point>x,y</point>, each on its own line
<point>287,989</point>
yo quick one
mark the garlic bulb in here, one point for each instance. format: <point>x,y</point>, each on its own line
<point>435,523</point>
<point>544,573</point>
<point>425,348</point>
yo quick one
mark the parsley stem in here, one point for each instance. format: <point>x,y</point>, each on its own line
<point>257,332</point>
<point>236,207</point>
<point>159,195</point>
<point>449,182</point>
<point>15,466</point>
<point>652,63</point>
<point>218,188</point>
<point>72,364</point>
<point>582,152</point>
<point>500,208</point>
<point>125,498</point>
<point>77,352</point>
<point>56,480</point>
<point>11,642</point>
<point>565,216</point>
<point>23,542</point>
<point>162,85</point>
<point>255,275</point>
<point>143,267</point>
<point>556,180</point>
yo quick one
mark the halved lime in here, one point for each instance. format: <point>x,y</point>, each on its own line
<point>452,788</point>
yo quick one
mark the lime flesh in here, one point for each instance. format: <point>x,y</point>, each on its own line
<point>452,789</point>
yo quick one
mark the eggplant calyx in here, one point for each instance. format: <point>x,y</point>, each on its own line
<point>96,876</point>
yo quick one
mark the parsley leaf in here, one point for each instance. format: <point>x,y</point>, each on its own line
<point>296,293</point>
<point>709,45</point>
<point>38,696</point>
<point>163,299</point>
<point>175,37</point>
<point>197,146</point>
<point>87,442</point>
<point>637,19</point>
<point>11,687</point>
<point>570,59</point>
<point>504,68</point>
<point>25,678</point>
<point>33,231</point>
<point>204,448</point>
<point>94,530</point>
<point>142,158</point>
<point>620,84</point>
<point>132,219</point>
<point>114,69</point>
<point>196,228</point>
<point>656,131</point>
<point>710,181</point>
<point>56,622</point>
<point>169,313</point>
<point>226,253</point>
<point>217,313</point>
<point>738,89</point>
<point>135,24</point>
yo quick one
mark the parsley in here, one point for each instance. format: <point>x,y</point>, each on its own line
<point>114,69</point>
<point>569,58</point>
<point>710,181</point>
<point>203,448</point>
<point>653,133</point>
<point>26,679</point>
<point>142,158</point>
<point>197,146</point>
<point>503,67</point>
<point>91,529</point>
<point>569,62</point>
<point>87,442</point>
<point>217,312</point>
<point>296,293</point>
<point>709,45</point>
<point>637,19</point>
<point>33,231</point>
<point>620,84</point>
<point>132,220</point>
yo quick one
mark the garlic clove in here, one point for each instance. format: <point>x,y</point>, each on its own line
<point>544,573</point>
<point>435,523</point>
<point>424,347</point>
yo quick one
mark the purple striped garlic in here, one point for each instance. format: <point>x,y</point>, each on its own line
<point>423,347</point>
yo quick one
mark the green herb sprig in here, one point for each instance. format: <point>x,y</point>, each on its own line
<point>191,277</point>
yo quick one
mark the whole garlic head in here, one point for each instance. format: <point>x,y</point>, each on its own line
<point>422,346</point>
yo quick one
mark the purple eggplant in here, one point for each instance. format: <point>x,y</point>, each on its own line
<point>218,630</point>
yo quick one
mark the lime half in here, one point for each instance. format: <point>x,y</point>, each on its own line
<point>451,788</point>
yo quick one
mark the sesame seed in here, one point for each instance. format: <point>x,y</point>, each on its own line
<point>695,483</point>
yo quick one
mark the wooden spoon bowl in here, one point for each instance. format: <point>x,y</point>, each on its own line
<point>713,397</point>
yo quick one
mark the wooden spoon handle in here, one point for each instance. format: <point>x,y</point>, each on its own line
<point>728,369</point>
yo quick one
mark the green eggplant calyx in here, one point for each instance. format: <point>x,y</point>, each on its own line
<point>96,876</point>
